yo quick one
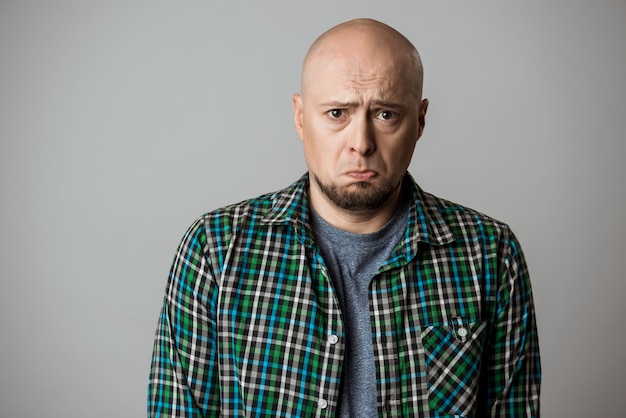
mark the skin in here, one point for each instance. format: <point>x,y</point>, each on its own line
<point>359,116</point>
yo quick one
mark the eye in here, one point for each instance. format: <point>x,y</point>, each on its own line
<point>386,115</point>
<point>336,113</point>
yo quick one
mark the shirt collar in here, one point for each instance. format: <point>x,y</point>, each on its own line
<point>425,223</point>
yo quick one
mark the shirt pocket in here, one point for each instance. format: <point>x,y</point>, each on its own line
<point>453,353</point>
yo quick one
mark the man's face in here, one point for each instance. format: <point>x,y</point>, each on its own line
<point>359,119</point>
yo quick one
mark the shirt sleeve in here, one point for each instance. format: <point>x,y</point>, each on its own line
<point>183,372</point>
<point>511,384</point>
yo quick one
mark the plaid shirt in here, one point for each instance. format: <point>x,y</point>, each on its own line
<point>251,325</point>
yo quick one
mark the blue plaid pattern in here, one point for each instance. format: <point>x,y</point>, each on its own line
<point>251,326</point>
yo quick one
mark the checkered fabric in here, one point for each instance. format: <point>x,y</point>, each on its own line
<point>251,326</point>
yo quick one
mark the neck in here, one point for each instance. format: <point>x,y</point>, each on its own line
<point>356,222</point>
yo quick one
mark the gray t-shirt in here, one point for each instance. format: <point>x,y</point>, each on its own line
<point>352,261</point>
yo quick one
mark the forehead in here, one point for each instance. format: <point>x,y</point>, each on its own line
<point>362,61</point>
<point>360,76</point>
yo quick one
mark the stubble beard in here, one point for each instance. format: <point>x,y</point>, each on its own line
<point>360,196</point>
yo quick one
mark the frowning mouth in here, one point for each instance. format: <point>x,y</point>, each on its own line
<point>362,174</point>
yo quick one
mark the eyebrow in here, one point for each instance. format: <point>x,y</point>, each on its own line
<point>379,103</point>
<point>339,104</point>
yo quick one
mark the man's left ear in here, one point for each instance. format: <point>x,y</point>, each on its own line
<point>422,116</point>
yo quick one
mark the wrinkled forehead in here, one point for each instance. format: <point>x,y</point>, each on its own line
<point>362,67</point>
<point>360,52</point>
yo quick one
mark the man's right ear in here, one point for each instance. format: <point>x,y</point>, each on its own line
<point>298,114</point>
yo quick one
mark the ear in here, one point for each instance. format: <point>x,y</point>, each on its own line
<point>422,117</point>
<point>298,114</point>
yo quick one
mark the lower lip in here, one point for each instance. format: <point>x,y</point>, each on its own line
<point>362,175</point>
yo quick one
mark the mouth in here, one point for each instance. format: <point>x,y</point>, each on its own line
<point>362,175</point>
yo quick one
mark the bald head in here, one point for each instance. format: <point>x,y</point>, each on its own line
<point>364,44</point>
<point>359,116</point>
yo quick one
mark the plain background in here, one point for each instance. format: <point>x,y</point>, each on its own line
<point>121,122</point>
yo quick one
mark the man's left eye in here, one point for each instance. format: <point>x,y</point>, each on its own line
<point>386,115</point>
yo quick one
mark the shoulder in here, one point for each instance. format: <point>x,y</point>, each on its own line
<point>468,224</point>
<point>249,209</point>
<point>279,207</point>
<point>474,232</point>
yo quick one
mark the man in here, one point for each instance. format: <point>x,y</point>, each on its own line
<point>352,292</point>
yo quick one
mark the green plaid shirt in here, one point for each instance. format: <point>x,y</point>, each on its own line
<point>251,325</point>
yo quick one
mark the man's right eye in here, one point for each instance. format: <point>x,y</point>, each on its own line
<point>335,113</point>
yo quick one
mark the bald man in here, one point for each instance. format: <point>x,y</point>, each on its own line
<point>352,292</point>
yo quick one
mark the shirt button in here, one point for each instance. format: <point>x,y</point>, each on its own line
<point>462,332</point>
<point>333,339</point>
<point>322,404</point>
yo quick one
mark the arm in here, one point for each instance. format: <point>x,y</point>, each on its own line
<point>183,373</point>
<point>512,374</point>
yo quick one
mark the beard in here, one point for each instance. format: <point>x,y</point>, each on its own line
<point>361,196</point>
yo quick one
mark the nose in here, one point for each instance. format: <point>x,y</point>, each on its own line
<point>362,139</point>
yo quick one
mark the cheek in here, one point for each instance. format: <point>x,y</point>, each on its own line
<point>314,153</point>
<point>320,144</point>
<point>399,156</point>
